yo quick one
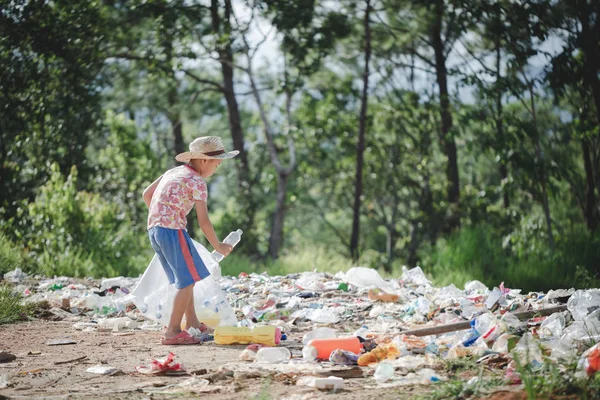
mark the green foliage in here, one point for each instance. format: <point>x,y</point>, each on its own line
<point>11,256</point>
<point>551,380</point>
<point>479,252</point>
<point>77,233</point>
<point>11,308</point>
<point>301,259</point>
<point>51,56</point>
<point>124,165</point>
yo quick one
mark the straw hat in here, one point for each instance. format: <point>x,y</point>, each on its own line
<point>207,148</point>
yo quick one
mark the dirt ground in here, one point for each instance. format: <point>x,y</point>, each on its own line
<point>44,371</point>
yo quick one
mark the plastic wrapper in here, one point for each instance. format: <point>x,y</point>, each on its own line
<point>343,357</point>
<point>528,351</point>
<point>384,371</point>
<point>583,302</point>
<point>414,276</point>
<point>380,353</point>
<point>476,288</point>
<point>589,363</point>
<point>552,327</point>
<point>363,277</point>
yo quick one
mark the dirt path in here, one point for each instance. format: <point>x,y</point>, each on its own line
<point>44,371</point>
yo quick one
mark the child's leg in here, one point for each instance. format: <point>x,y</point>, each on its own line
<point>180,304</point>
<point>191,319</point>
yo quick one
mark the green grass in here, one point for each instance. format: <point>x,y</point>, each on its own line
<point>306,259</point>
<point>11,309</point>
<point>478,252</point>
<point>11,256</point>
<point>553,381</point>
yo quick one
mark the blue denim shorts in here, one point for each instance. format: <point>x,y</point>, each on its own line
<point>178,256</point>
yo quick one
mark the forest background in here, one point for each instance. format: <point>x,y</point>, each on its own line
<point>458,135</point>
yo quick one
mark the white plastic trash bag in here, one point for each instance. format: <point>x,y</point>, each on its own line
<point>153,295</point>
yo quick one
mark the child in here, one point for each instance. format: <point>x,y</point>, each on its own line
<point>169,199</point>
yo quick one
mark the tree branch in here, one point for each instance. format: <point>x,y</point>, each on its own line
<point>166,68</point>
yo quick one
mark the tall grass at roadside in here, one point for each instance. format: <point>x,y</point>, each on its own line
<point>11,256</point>
<point>477,252</point>
<point>11,309</point>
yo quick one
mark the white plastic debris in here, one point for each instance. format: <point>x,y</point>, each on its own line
<point>384,371</point>
<point>15,276</point>
<point>102,370</point>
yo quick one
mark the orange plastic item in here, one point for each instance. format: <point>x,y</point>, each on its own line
<point>379,353</point>
<point>326,346</point>
<point>378,294</point>
<point>591,360</point>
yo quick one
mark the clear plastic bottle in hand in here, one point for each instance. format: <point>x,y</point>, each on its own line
<point>233,238</point>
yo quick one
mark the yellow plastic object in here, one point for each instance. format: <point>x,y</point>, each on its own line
<point>268,335</point>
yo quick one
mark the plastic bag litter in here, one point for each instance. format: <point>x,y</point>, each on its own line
<point>449,294</point>
<point>414,276</point>
<point>558,293</point>
<point>476,287</point>
<point>384,371</point>
<point>425,376</point>
<point>589,363</point>
<point>528,351</point>
<point>343,357</point>
<point>552,327</point>
<point>583,302</point>
<point>153,295</point>
<point>363,278</point>
<point>3,381</point>
<point>15,276</point>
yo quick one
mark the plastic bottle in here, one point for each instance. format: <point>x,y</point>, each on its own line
<point>384,371</point>
<point>268,335</point>
<point>326,346</point>
<point>319,333</point>
<point>273,355</point>
<point>233,238</point>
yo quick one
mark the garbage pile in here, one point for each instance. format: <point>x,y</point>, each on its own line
<point>395,330</point>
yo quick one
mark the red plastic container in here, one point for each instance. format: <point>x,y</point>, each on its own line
<point>326,346</point>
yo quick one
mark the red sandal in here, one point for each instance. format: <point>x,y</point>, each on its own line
<point>182,338</point>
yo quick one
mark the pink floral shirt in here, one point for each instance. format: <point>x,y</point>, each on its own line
<point>175,197</point>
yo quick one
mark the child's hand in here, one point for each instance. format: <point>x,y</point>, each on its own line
<point>224,248</point>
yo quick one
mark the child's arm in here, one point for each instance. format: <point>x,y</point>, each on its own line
<point>149,191</point>
<point>209,230</point>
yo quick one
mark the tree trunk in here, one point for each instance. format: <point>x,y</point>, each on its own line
<point>541,171</point>
<point>283,172</point>
<point>360,147</point>
<point>500,125</point>
<point>589,43</point>
<point>276,239</point>
<point>390,242</point>
<point>245,181</point>
<point>414,244</point>
<point>590,213</point>
<point>449,145</point>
